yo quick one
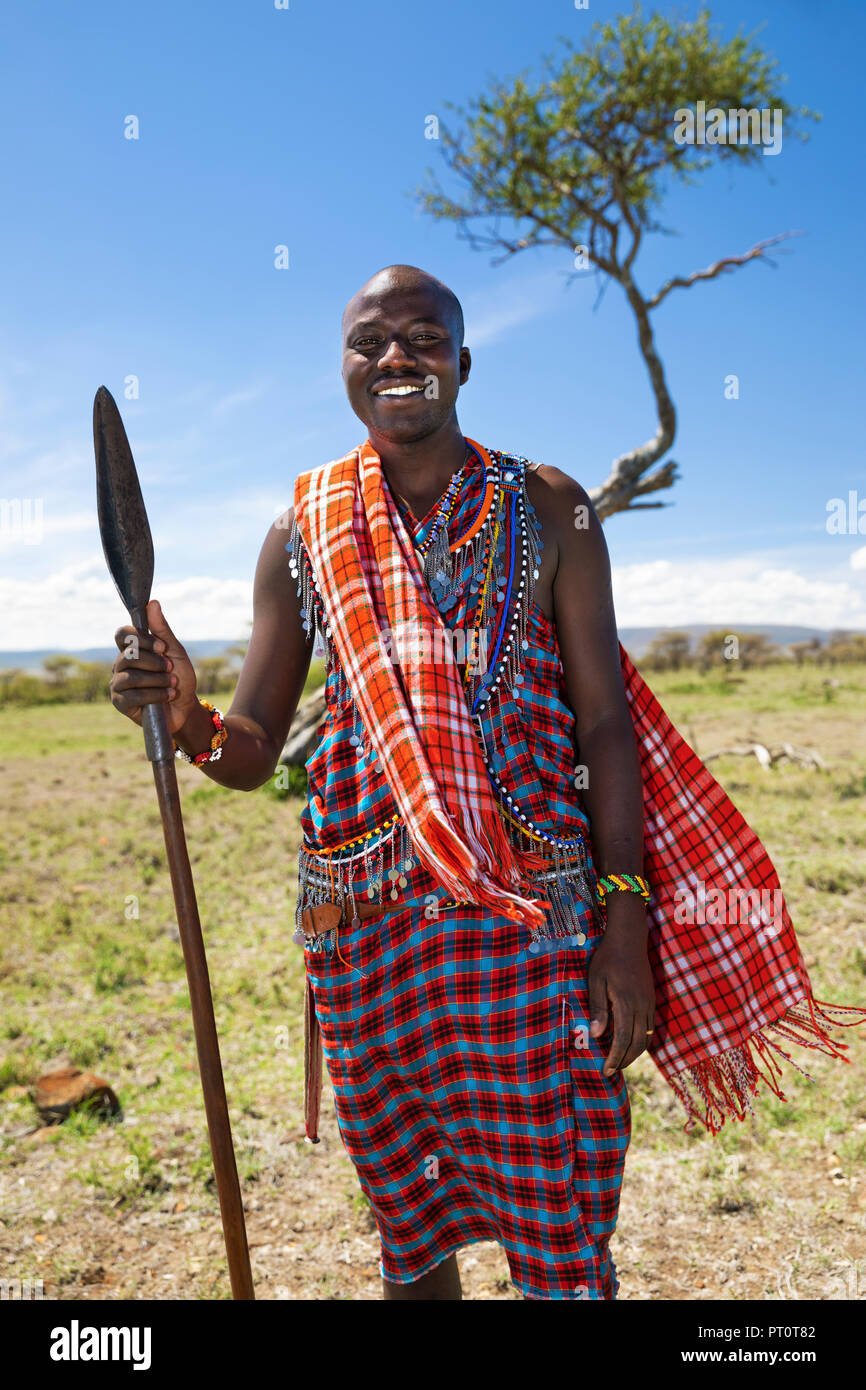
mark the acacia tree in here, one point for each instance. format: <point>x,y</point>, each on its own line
<point>668,652</point>
<point>212,674</point>
<point>581,161</point>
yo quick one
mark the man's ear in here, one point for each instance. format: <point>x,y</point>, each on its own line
<point>465,365</point>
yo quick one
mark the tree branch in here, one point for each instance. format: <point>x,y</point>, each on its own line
<point>727,263</point>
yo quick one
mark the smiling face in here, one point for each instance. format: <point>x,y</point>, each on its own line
<point>403,363</point>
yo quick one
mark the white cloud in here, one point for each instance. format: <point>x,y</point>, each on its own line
<point>743,589</point>
<point>78,606</point>
<point>36,522</point>
<point>245,396</point>
<point>505,305</point>
<point>858,559</point>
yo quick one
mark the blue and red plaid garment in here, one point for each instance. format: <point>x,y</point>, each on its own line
<point>470,1096</point>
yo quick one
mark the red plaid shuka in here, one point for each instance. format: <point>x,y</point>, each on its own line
<point>725,992</point>
<point>728,992</point>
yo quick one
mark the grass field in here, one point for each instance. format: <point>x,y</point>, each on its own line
<point>92,973</point>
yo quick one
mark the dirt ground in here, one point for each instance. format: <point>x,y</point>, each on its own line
<point>694,1224</point>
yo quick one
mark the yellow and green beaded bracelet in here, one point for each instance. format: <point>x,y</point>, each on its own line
<point>622,883</point>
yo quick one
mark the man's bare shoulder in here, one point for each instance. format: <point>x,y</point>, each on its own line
<point>556,497</point>
<point>273,567</point>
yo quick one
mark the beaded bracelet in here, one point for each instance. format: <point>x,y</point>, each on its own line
<point>210,755</point>
<point>623,883</point>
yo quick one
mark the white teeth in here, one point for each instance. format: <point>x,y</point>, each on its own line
<point>400,391</point>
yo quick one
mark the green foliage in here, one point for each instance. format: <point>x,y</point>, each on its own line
<point>118,965</point>
<point>16,1069</point>
<point>668,652</point>
<point>87,1044</point>
<point>66,678</point>
<point>212,675</point>
<point>83,1123</point>
<point>149,1173</point>
<point>721,655</point>
<point>586,153</point>
<point>200,1167</point>
<point>287,782</point>
<point>205,793</point>
<point>838,879</point>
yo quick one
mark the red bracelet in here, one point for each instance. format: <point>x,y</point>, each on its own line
<point>216,744</point>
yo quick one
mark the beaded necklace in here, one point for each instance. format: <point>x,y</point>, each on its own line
<point>435,551</point>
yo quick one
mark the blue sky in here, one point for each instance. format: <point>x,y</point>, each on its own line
<point>155,258</point>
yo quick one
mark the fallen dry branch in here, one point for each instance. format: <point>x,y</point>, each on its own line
<point>770,757</point>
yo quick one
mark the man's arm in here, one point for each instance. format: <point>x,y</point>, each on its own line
<point>271,680</point>
<point>620,974</point>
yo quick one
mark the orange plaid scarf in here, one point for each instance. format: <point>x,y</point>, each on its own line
<point>417,718</point>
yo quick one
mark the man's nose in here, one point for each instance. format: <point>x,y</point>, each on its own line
<point>396,353</point>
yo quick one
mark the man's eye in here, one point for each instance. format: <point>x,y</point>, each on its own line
<point>362,343</point>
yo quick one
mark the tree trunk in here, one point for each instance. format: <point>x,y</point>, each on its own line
<point>303,736</point>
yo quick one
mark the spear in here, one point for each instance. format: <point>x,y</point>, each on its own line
<point>126,540</point>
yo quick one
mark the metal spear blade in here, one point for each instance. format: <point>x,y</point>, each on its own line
<point>123,523</point>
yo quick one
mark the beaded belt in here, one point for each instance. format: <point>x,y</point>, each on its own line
<point>378,873</point>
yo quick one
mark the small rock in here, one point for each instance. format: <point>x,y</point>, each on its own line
<point>57,1093</point>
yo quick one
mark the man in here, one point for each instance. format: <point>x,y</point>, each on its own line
<point>477,1008</point>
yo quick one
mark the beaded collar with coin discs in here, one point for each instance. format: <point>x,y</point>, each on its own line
<point>435,550</point>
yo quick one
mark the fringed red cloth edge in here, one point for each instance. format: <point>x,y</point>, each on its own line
<point>722,1087</point>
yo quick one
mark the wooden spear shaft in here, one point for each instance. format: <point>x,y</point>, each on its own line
<point>157,735</point>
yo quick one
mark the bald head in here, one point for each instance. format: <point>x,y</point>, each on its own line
<point>396,280</point>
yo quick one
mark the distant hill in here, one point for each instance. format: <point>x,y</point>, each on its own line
<point>32,661</point>
<point>634,639</point>
<point>637,639</point>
